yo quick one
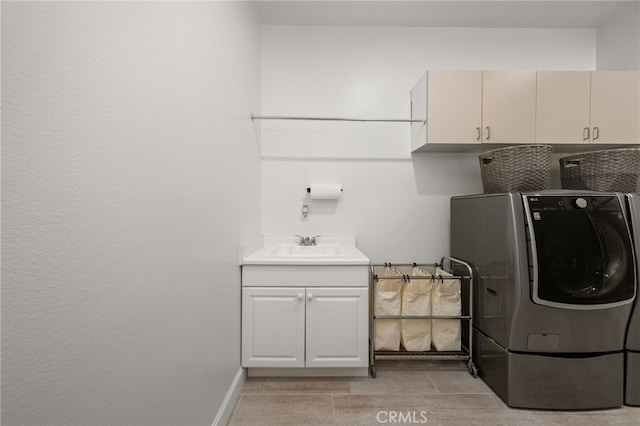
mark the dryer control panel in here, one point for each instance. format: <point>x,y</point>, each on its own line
<point>587,202</point>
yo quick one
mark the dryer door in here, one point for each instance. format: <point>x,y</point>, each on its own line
<point>580,251</point>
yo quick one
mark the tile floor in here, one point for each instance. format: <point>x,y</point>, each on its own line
<point>404,392</point>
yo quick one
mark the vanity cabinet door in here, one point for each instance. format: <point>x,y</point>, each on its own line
<point>273,326</point>
<point>337,327</point>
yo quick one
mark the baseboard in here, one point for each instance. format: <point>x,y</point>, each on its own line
<point>308,372</point>
<point>224,413</point>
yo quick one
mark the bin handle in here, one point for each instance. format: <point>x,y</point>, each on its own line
<point>572,163</point>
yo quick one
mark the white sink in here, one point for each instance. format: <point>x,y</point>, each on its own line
<point>287,251</point>
<point>324,251</point>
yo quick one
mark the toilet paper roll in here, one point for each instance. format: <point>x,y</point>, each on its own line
<point>325,191</point>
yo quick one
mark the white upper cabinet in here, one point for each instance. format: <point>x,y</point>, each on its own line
<point>454,106</point>
<point>509,107</point>
<point>468,108</point>
<point>615,107</point>
<point>588,107</point>
<point>479,110</point>
<point>563,107</point>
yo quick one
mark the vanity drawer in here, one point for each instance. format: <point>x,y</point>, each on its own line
<point>305,275</point>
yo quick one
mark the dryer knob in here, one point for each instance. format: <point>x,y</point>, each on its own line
<point>580,203</point>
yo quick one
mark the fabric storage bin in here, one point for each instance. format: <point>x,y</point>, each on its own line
<point>446,301</point>
<point>608,170</point>
<point>388,301</point>
<point>516,168</point>
<point>416,301</point>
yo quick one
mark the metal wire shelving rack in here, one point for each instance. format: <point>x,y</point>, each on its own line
<point>459,270</point>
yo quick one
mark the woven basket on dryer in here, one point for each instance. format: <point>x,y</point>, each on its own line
<point>516,168</point>
<point>609,170</point>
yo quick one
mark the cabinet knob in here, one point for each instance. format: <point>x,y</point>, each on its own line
<point>309,296</point>
<point>300,296</point>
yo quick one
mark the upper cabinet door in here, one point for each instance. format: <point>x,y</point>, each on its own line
<point>563,106</point>
<point>509,106</point>
<point>615,107</point>
<point>454,102</point>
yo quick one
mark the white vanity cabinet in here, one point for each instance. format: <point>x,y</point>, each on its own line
<point>304,327</point>
<point>304,318</point>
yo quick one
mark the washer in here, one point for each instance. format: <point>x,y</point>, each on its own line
<point>555,282</point>
<point>632,346</point>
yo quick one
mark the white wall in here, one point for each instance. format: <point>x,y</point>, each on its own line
<point>130,174</point>
<point>618,40</point>
<point>397,204</point>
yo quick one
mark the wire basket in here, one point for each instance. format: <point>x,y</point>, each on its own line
<point>516,168</point>
<point>609,170</point>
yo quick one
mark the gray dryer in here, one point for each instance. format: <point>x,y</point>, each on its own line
<point>632,346</point>
<point>555,282</point>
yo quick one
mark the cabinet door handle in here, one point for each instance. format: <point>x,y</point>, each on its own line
<point>478,133</point>
<point>300,296</point>
<point>488,132</point>
<point>309,296</point>
<point>596,133</point>
<point>585,134</point>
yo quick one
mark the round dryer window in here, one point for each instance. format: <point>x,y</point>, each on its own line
<point>581,252</point>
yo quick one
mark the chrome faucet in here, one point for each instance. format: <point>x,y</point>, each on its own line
<point>307,241</point>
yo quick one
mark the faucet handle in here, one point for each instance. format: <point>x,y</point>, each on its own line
<point>313,239</point>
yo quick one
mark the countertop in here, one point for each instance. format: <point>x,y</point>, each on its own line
<point>352,255</point>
